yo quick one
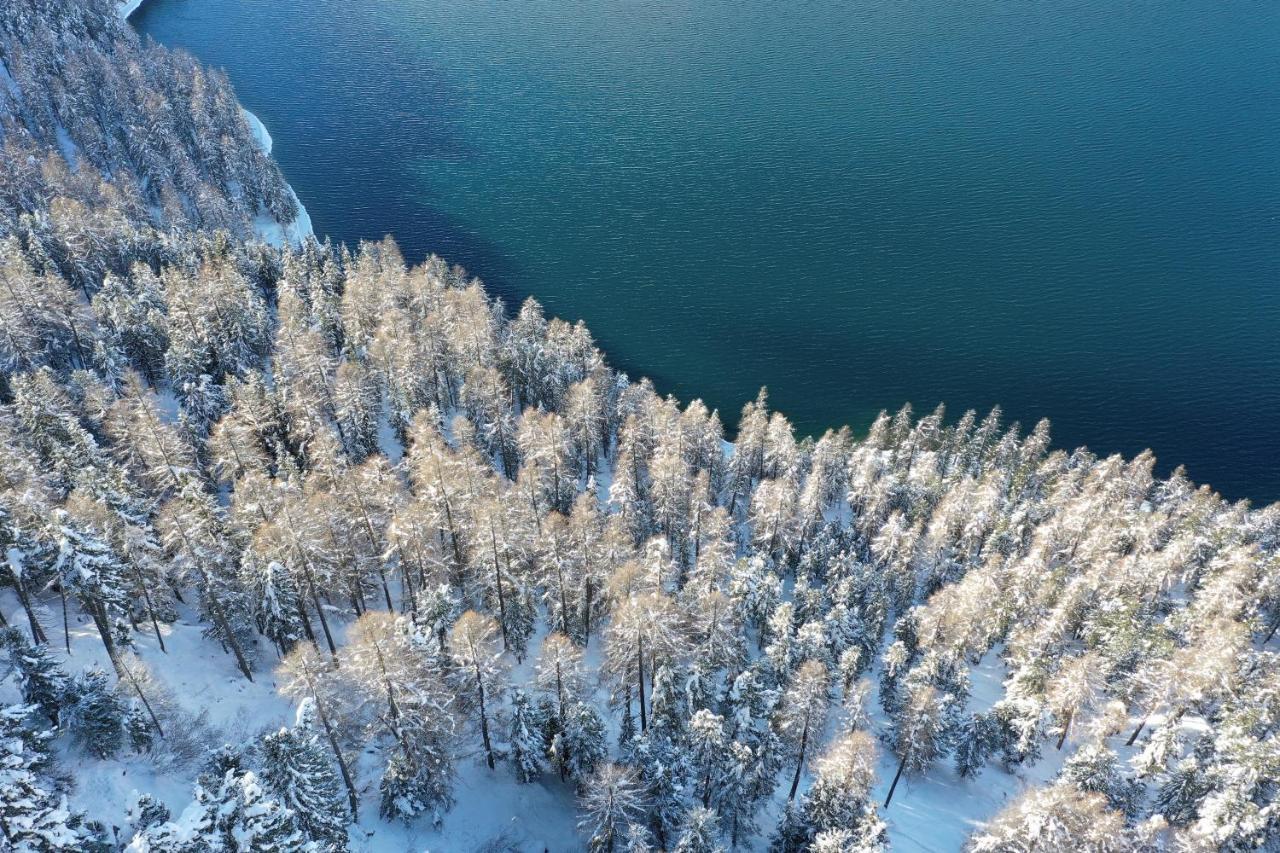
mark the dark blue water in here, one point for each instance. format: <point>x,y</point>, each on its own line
<point>1071,209</point>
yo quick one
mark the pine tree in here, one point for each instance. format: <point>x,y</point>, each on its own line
<point>610,802</point>
<point>41,678</point>
<point>527,744</point>
<point>709,760</point>
<point>661,771</point>
<point>89,569</point>
<point>411,788</point>
<point>1095,768</point>
<point>247,817</point>
<point>306,676</point>
<point>976,740</point>
<point>32,815</point>
<point>584,741</point>
<point>839,798</point>
<point>920,732</point>
<point>97,716</point>
<point>145,812</point>
<point>473,644</point>
<point>1059,817</point>
<point>296,768</point>
<point>1182,791</point>
<point>699,833</point>
<point>803,712</point>
<point>139,728</point>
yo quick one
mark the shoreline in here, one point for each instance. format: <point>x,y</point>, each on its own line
<point>273,232</point>
<point>276,233</point>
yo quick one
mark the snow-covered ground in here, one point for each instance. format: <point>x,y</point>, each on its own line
<point>128,7</point>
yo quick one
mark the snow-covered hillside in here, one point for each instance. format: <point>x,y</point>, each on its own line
<point>309,549</point>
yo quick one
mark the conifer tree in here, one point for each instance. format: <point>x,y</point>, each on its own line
<point>32,815</point>
<point>41,678</point>
<point>473,645</point>
<point>699,833</point>
<point>296,769</point>
<point>527,743</point>
<point>920,732</point>
<point>803,712</point>
<point>97,715</point>
<point>610,802</point>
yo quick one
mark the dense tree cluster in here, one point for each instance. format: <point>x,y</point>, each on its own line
<point>372,479</point>
<point>114,148</point>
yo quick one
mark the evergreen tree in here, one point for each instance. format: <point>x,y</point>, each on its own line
<point>97,715</point>
<point>1095,768</point>
<point>473,643</point>
<point>584,741</point>
<point>145,812</point>
<point>610,802</point>
<point>527,743</point>
<point>41,678</point>
<point>976,740</point>
<point>409,789</point>
<point>1179,796</point>
<point>699,833</point>
<point>920,734</point>
<point>661,770</point>
<point>247,817</point>
<point>33,816</point>
<point>296,769</point>
<point>139,728</point>
<point>95,575</point>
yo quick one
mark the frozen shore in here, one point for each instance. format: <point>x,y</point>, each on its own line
<point>273,232</point>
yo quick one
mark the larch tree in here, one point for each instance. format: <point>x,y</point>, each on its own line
<point>473,644</point>
<point>920,732</point>
<point>610,803</point>
<point>804,710</point>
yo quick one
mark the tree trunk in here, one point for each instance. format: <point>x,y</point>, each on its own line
<point>215,606</point>
<point>1134,737</point>
<point>1066,727</point>
<point>644,719</point>
<point>138,689</point>
<point>484,721</point>
<point>151,613</point>
<point>99,614</point>
<point>37,633</point>
<point>337,753</point>
<point>309,575</point>
<point>306,623</point>
<point>324,623</point>
<point>896,777</point>
<point>804,744</point>
<point>66,621</point>
<point>497,581</point>
<point>219,617</point>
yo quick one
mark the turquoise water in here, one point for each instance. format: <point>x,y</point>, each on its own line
<point>1070,209</point>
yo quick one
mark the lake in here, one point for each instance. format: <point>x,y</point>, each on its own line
<point>1071,209</point>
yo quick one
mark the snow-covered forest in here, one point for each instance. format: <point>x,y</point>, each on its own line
<point>309,550</point>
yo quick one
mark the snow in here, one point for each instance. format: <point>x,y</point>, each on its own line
<point>127,8</point>
<point>67,146</point>
<point>939,810</point>
<point>259,130</point>
<point>271,231</point>
<point>7,79</point>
